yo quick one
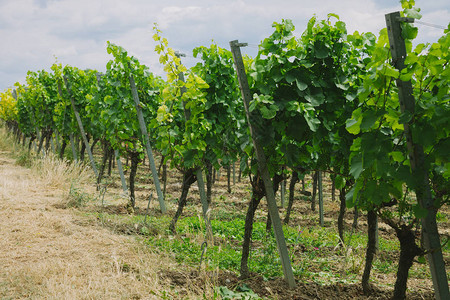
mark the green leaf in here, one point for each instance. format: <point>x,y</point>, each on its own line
<point>315,97</point>
<point>397,156</point>
<point>339,182</point>
<point>422,260</point>
<point>301,85</point>
<point>423,133</point>
<point>290,77</point>
<point>356,166</point>
<point>419,212</point>
<point>350,197</point>
<point>413,13</point>
<point>189,156</point>
<point>269,113</point>
<point>332,15</point>
<point>409,32</point>
<point>313,122</point>
<point>353,126</point>
<point>372,193</point>
<point>395,189</point>
<point>391,71</point>
<point>368,120</point>
<point>320,50</point>
<point>342,86</point>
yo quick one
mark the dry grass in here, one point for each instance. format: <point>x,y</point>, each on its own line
<point>5,140</point>
<point>51,253</point>
<point>61,173</point>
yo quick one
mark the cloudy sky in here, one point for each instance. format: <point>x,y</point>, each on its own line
<point>34,32</point>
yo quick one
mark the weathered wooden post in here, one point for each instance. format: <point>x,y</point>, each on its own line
<point>262,165</point>
<point>416,156</point>
<point>148,147</point>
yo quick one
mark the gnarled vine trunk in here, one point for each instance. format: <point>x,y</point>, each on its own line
<point>294,180</point>
<point>189,178</point>
<point>63,148</point>
<point>209,181</point>
<point>106,153</point>
<point>371,249</point>
<point>30,143</point>
<point>83,149</point>
<point>258,192</point>
<point>134,157</point>
<point>111,161</point>
<point>408,251</point>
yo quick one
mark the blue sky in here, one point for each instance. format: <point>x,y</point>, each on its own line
<point>34,32</point>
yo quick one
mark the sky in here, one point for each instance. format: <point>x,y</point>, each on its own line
<point>36,33</point>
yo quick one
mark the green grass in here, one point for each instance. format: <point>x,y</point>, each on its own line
<point>315,252</point>
<point>78,197</point>
<point>312,262</point>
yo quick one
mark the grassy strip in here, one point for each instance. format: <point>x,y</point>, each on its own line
<point>314,252</point>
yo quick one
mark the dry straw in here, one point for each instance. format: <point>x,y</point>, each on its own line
<point>51,253</point>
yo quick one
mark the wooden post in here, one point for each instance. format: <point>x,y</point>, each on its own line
<point>80,124</point>
<point>52,144</point>
<point>416,156</point>
<point>58,144</point>
<point>205,206</point>
<point>119,166</point>
<point>38,135</point>
<point>234,173</point>
<point>148,146</point>
<point>333,187</point>
<point>77,144</point>
<point>262,166</point>
<point>282,192</point>
<point>319,186</point>
<point>377,235</point>
<point>72,145</point>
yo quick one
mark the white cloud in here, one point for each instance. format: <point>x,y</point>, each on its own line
<point>76,31</point>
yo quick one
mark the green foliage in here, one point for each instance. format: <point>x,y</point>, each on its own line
<point>25,111</point>
<point>24,159</point>
<point>223,114</point>
<point>243,292</point>
<point>379,159</point>
<point>180,123</point>
<point>304,93</point>
<point>8,106</point>
<point>111,107</point>
<point>77,197</point>
<point>36,102</point>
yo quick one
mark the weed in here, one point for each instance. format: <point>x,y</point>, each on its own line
<point>77,197</point>
<point>441,217</point>
<point>384,267</point>
<point>24,159</point>
<point>242,292</point>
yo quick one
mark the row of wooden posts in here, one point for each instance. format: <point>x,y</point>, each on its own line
<point>407,101</point>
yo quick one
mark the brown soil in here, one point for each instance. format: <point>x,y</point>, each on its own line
<point>278,288</point>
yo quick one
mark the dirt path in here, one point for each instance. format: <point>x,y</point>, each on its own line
<point>53,253</point>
